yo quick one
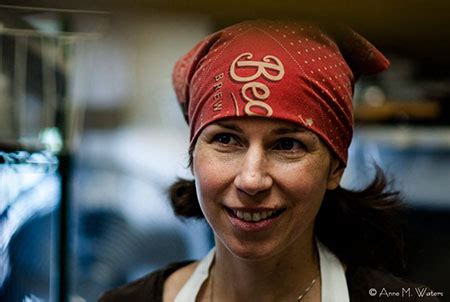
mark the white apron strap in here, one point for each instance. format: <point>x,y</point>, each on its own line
<point>334,285</point>
<point>192,287</point>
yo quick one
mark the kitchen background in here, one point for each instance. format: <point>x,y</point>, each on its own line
<point>91,135</point>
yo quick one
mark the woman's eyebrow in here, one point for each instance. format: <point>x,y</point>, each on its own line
<point>277,131</point>
<point>286,130</point>
<point>229,126</point>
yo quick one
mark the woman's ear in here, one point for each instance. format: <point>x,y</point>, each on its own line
<point>335,174</point>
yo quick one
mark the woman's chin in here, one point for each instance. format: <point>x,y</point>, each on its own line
<point>250,252</point>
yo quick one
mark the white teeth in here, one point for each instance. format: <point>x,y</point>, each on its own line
<point>247,216</point>
<point>255,217</point>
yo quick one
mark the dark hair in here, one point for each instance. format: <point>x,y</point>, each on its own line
<point>365,227</point>
<point>362,227</point>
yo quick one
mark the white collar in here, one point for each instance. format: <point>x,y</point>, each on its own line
<point>334,285</point>
<point>332,276</point>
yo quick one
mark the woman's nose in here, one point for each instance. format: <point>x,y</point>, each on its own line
<point>253,176</point>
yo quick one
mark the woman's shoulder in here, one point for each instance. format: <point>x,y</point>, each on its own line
<point>370,284</point>
<point>152,287</point>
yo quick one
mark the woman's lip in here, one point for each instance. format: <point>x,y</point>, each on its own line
<point>254,209</point>
<point>246,224</point>
<point>254,214</point>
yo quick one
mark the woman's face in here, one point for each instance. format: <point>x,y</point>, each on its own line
<point>260,183</point>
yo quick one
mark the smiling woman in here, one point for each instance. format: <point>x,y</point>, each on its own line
<point>269,106</point>
<point>252,195</point>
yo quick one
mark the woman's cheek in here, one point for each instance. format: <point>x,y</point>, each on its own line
<point>305,176</point>
<point>206,171</point>
<point>211,176</point>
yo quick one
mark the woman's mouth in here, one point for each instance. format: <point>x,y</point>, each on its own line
<point>251,220</point>
<point>254,215</point>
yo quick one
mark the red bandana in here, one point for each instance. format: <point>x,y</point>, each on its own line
<point>289,71</point>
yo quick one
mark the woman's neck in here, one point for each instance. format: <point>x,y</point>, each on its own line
<point>281,277</point>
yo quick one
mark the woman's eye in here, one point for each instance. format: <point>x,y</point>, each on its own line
<point>224,138</point>
<point>289,144</point>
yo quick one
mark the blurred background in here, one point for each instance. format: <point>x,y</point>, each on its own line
<point>91,135</point>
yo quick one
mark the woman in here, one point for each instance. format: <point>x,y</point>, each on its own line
<point>269,106</point>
